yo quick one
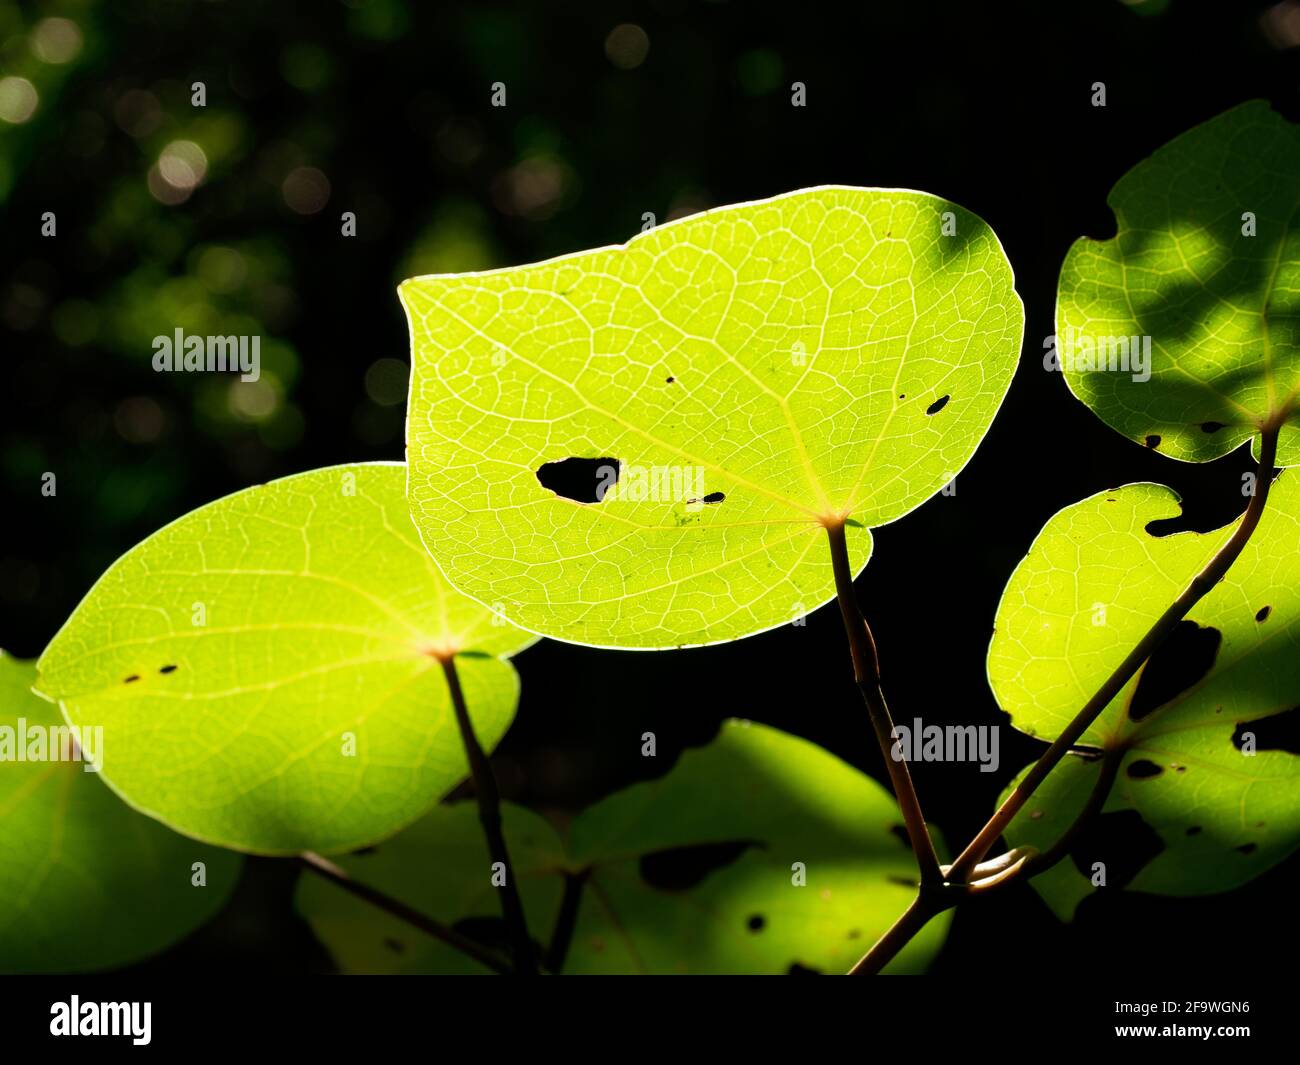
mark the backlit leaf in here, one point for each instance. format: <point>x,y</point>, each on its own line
<point>751,372</point>
<point>85,882</point>
<point>691,873</point>
<point>1093,583</point>
<point>1205,266</point>
<point>264,667</point>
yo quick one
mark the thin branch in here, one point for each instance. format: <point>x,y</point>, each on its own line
<point>866,671</point>
<point>522,948</point>
<point>888,946</point>
<point>565,922</point>
<point>1043,861</point>
<point>1201,584</point>
<point>323,867</point>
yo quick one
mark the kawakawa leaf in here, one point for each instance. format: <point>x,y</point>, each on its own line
<point>1203,276</point>
<point>1198,767</point>
<point>264,668</point>
<point>751,373</point>
<point>695,872</point>
<point>85,882</point>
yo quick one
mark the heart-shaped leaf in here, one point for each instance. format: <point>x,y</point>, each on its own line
<point>756,854</point>
<point>265,667</point>
<point>1183,330</point>
<point>85,882</point>
<point>638,446</point>
<point>1193,750</point>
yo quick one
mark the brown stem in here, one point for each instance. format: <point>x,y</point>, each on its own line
<point>566,921</point>
<point>1042,862</point>
<point>522,948</point>
<point>887,947</point>
<point>1201,584</point>
<point>323,867</point>
<point>866,671</point>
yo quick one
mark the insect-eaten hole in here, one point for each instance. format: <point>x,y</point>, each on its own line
<point>489,931</point>
<point>801,970</point>
<point>1281,732</point>
<point>1153,441</point>
<point>1142,769</point>
<point>937,405</point>
<point>712,497</point>
<point>132,678</point>
<point>1212,427</point>
<point>682,868</point>
<point>582,480</point>
<point>1181,661</point>
<point>756,923</point>
<point>1123,841</point>
<point>1263,613</point>
<point>167,669</point>
<point>1248,848</point>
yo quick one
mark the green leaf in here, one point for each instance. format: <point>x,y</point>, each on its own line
<point>1093,583</point>
<point>778,799</point>
<point>1206,264</point>
<point>85,883</point>
<point>752,372</point>
<point>264,668</point>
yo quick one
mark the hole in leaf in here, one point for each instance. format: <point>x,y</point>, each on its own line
<point>900,832</point>
<point>670,380</point>
<point>167,669</point>
<point>1248,848</point>
<point>1193,830</point>
<point>1143,768</point>
<point>903,881</point>
<point>937,405</point>
<point>132,678</point>
<point>801,970</point>
<point>1181,661</point>
<point>1122,841</point>
<point>1263,613</point>
<point>1153,441</point>
<point>582,480</point>
<point>1281,732</point>
<point>364,852</point>
<point>489,931</point>
<point>715,497</point>
<point>1212,427</point>
<point>756,923</point>
<point>396,946</point>
<point>682,868</point>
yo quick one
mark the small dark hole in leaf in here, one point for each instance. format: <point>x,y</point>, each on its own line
<point>682,868</point>
<point>1181,661</point>
<point>902,881</point>
<point>489,931</point>
<point>1194,830</point>
<point>1123,841</point>
<point>1248,848</point>
<point>1263,613</point>
<point>1212,427</point>
<point>756,923</point>
<point>582,480</point>
<point>1143,768</point>
<point>715,497</point>
<point>1281,732</point>
<point>902,395</point>
<point>900,833</point>
<point>1153,441</point>
<point>937,405</point>
<point>132,678</point>
<point>364,852</point>
<point>670,380</point>
<point>167,669</point>
<point>801,970</point>
<point>395,946</point>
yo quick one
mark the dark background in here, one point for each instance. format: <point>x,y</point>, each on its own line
<point>387,102</point>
